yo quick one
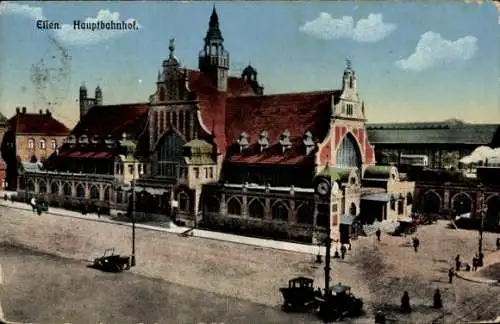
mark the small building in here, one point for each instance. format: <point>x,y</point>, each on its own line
<point>30,137</point>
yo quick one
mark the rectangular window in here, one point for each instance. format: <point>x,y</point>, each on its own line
<point>206,173</point>
<point>196,173</point>
<point>211,173</point>
<point>131,168</point>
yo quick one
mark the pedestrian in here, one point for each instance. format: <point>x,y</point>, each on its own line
<point>33,203</point>
<point>498,243</point>
<point>457,263</point>
<point>416,243</point>
<point>378,233</point>
<point>98,212</point>
<point>438,303</point>
<point>343,251</point>
<point>451,273</point>
<point>474,264</point>
<point>405,303</point>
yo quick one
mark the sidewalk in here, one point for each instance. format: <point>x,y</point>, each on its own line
<point>489,259</point>
<point>172,228</point>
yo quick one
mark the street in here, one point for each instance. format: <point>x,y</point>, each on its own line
<point>39,288</point>
<point>236,278</point>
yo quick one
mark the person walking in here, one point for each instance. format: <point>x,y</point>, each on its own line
<point>416,243</point>
<point>405,303</point>
<point>437,303</point>
<point>457,262</point>
<point>98,212</point>
<point>474,264</point>
<point>451,274</point>
<point>378,233</point>
<point>343,251</point>
<point>498,243</point>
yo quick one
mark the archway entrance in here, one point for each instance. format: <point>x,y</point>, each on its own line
<point>348,154</point>
<point>431,203</point>
<point>462,204</point>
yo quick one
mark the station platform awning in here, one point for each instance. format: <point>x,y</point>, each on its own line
<point>381,197</point>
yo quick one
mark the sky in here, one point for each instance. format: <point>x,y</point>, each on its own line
<point>415,61</point>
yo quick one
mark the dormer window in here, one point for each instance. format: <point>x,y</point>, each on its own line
<point>83,140</point>
<point>285,140</point>
<point>243,141</point>
<point>263,140</point>
<point>308,142</point>
<point>95,140</point>
<point>110,142</point>
<point>71,140</point>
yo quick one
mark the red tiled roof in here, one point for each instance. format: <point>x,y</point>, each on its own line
<point>113,120</point>
<point>272,155</point>
<point>212,103</point>
<point>297,112</point>
<point>86,155</point>
<point>37,124</point>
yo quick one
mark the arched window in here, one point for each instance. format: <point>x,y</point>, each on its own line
<point>279,211</point>
<point>305,214</point>
<point>54,188</point>
<point>183,202</point>
<point>409,199</point>
<point>162,94</point>
<point>31,143</point>
<point>348,154</point>
<point>80,191</point>
<point>352,209</point>
<point>94,192</point>
<point>31,186</point>
<point>119,197</point>
<point>41,144</point>
<point>233,206</point>
<point>431,202</point>
<point>462,204</point>
<point>107,194</point>
<point>181,122</point>
<point>67,189</point>
<point>256,209</point>
<point>212,204</point>
<point>53,144</point>
<point>174,119</point>
<point>401,204</point>
<point>42,187</point>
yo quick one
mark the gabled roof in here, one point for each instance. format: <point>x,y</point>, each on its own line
<point>113,120</point>
<point>448,132</point>
<point>37,124</point>
<point>212,102</point>
<point>295,112</point>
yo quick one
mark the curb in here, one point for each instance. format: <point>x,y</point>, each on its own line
<point>177,231</point>
<point>478,280</point>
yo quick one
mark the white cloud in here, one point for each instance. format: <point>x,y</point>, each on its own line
<point>67,34</point>
<point>432,49</point>
<point>369,30</point>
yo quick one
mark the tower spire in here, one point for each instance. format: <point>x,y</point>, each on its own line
<point>171,48</point>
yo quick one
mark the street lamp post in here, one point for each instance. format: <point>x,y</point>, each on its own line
<point>481,226</point>
<point>328,243</point>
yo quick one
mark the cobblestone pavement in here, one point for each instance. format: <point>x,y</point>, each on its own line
<point>44,289</point>
<point>378,272</point>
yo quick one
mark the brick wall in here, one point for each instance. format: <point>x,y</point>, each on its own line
<point>25,152</point>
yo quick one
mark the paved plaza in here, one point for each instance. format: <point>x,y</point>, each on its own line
<point>378,272</point>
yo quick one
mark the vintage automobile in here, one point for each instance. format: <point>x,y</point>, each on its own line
<point>300,295</point>
<point>112,262</point>
<point>340,303</point>
<point>405,227</point>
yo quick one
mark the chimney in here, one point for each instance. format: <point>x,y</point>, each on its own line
<point>18,110</point>
<point>24,110</point>
<point>41,112</point>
